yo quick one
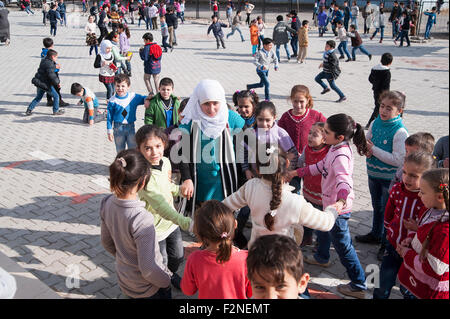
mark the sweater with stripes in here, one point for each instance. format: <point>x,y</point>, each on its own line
<point>428,278</point>
<point>402,205</point>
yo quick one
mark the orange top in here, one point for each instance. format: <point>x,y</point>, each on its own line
<point>254,35</point>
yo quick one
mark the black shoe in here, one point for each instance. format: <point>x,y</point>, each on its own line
<point>354,59</point>
<point>348,60</point>
<point>368,239</point>
<point>294,56</point>
<point>28,112</point>
<point>325,91</point>
<point>63,104</point>
<point>59,112</point>
<point>370,57</point>
<point>175,280</point>
<point>342,99</point>
<point>341,57</point>
<point>49,102</point>
<point>380,253</point>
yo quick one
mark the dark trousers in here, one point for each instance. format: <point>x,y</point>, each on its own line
<point>376,109</point>
<point>50,97</point>
<point>403,35</point>
<point>103,33</point>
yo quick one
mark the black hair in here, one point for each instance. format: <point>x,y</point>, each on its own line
<point>305,22</point>
<point>352,26</point>
<point>267,41</point>
<point>122,77</point>
<point>47,42</point>
<point>166,82</point>
<point>76,88</point>
<point>331,44</point>
<point>148,36</point>
<point>147,131</point>
<point>183,105</point>
<point>279,18</point>
<point>244,94</point>
<point>270,256</point>
<point>130,168</point>
<point>266,105</point>
<point>342,124</point>
<point>386,58</point>
<point>125,29</point>
<point>51,53</point>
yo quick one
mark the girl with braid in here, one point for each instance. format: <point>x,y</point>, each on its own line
<point>274,208</point>
<point>424,271</point>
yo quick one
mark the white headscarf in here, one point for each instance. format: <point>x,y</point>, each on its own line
<point>205,91</point>
<point>106,44</point>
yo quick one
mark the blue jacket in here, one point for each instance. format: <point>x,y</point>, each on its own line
<point>431,17</point>
<point>337,16</point>
<point>152,63</point>
<point>61,7</point>
<point>123,109</point>
<point>53,16</point>
<point>322,17</point>
<point>217,29</point>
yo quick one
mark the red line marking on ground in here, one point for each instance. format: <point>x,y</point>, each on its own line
<point>77,198</point>
<point>13,165</point>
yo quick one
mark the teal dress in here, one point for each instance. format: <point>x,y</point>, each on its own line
<point>209,181</point>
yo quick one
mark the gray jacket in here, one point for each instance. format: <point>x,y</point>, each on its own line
<point>264,58</point>
<point>281,33</point>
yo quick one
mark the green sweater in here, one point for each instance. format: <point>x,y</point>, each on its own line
<point>158,198</point>
<point>155,114</point>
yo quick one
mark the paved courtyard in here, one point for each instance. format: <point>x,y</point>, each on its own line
<point>53,169</point>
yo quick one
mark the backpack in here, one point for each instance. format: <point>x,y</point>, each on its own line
<point>98,61</point>
<point>155,63</point>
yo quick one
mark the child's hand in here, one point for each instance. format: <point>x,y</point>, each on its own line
<point>187,189</point>
<point>110,137</point>
<point>410,224</point>
<point>406,242</point>
<point>402,250</point>
<point>58,66</point>
<point>291,175</point>
<point>369,145</point>
<point>369,154</point>
<point>339,205</point>
<point>249,174</point>
<point>146,103</point>
<point>80,103</point>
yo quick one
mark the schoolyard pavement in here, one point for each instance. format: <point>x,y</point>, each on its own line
<point>53,169</point>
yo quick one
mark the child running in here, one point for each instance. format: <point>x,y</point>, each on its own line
<point>342,36</point>
<point>424,271</point>
<point>263,59</point>
<point>128,232</point>
<point>235,25</point>
<point>158,195</point>
<point>274,208</point>
<point>386,145</point>
<point>357,43</point>
<point>216,28</point>
<point>121,113</point>
<point>403,209</point>
<point>330,71</point>
<point>219,271</point>
<point>337,186</point>
<point>275,268</point>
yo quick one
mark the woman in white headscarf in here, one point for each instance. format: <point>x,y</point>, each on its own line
<point>107,68</point>
<point>208,164</point>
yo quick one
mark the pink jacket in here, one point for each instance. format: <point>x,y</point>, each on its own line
<point>336,170</point>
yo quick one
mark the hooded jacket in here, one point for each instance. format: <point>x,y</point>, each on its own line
<point>46,76</point>
<point>380,77</point>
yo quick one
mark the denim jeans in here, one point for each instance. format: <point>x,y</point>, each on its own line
<point>277,51</point>
<point>394,29</point>
<point>92,48</point>
<point>260,41</point>
<point>381,29</point>
<point>148,23</point>
<point>388,273</point>
<point>28,10</point>
<point>219,40</point>
<point>63,18</point>
<point>346,21</point>
<point>404,34</point>
<point>321,30</point>
<point>264,76</point>
<point>254,49</point>
<point>428,30</point>
<point>406,293</point>
<point>331,81</point>
<point>109,90</point>
<point>294,44</point>
<point>40,94</point>
<point>342,47</point>
<point>124,135</point>
<point>379,192</point>
<point>339,235</point>
<point>53,27</point>
<point>164,42</point>
<point>355,22</point>
<point>234,29</point>
<point>363,50</point>
<point>172,250</point>
<point>44,17</point>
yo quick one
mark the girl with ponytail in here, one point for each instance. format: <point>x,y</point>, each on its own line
<point>424,271</point>
<point>337,189</point>
<point>218,271</point>
<point>273,207</point>
<point>128,233</point>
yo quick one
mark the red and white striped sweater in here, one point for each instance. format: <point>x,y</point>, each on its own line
<point>428,279</point>
<point>402,205</point>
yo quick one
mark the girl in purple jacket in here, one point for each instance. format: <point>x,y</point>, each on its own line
<point>337,186</point>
